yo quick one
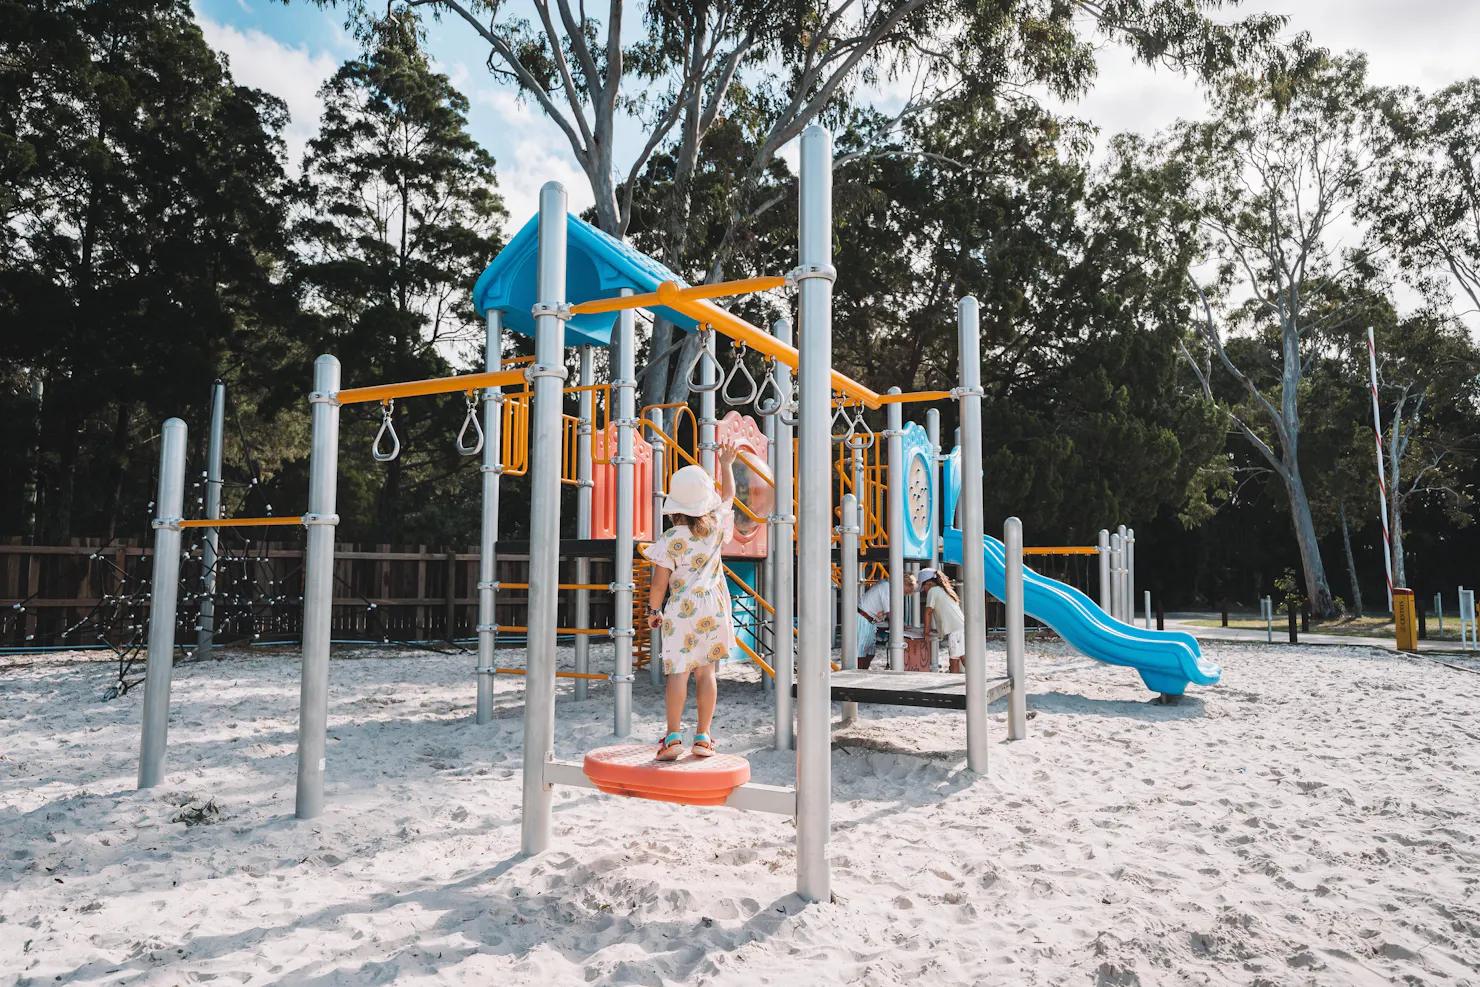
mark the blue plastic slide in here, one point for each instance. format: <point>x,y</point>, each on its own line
<point>1166,660</point>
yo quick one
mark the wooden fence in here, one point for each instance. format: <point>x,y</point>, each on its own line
<point>399,593</point>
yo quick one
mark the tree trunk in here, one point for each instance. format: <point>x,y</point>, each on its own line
<point>1351,561</point>
<point>1396,442</point>
<point>1317,589</point>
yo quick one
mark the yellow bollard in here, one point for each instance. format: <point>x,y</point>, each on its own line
<point>1405,619</point>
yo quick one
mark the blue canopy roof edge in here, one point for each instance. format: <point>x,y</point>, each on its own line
<point>597,265</point>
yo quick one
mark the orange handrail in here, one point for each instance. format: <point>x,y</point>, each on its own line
<point>756,658</point>
<point>240,522</point>
<point>435,385</point>
<point>722,289</point>
<point>1064,550</point>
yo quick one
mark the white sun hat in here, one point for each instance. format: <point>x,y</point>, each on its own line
<point>691,491</point>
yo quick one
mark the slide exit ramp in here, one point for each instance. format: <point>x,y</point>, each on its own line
<point>1166,660</point>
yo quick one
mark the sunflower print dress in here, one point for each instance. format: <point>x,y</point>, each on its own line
<point>697,629</point>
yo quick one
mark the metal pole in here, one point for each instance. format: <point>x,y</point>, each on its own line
<point>318,587</point>
<point>1148,609</point>
<point>848,615</point>
<point>707,376</point>
<point>895,433</point>
<point>210,544</point>
<point>625,387</point>
<point>1102,548</point>
<point>768,683</point>
<point>1117,552</point>
<point>932,432</point>
<point>655,637</point>
<point>548,373</point>
<point>784,521</point>
<point>1122,602</point>
<point>1017,699</point>
<point>583,513</point>
<point>1439,612</point>
<point>490,470</point>
<point>973,530</point>
<point>169,506</point>
<point>1130,575</point>
<point>1269,619</point>
<point>814,539</point>
<point>1387,541</point>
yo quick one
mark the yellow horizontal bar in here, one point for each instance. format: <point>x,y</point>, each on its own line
<point>599,586</point>
<point>722,289</point>
<point>914,396</point>
<point>1064,550</point>
<point>756,658</point>
<point>436,385</point>
<point>241,522</point>
<point>762,342</point>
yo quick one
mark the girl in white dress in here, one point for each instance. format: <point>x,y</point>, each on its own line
<point>696,625</point>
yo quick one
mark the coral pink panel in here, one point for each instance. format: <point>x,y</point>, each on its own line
<point>604,489</point>
<point>752,484</point>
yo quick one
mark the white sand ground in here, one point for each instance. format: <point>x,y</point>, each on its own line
<point>1313,820</point>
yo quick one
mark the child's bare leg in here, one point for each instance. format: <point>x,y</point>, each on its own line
<point>673,699</point>
<point>705,689</point>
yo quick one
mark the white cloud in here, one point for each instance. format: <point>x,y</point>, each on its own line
<point>294,75</point>
<point>530,150</point>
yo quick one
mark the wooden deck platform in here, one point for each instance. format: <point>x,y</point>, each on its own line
<point>938,690</point>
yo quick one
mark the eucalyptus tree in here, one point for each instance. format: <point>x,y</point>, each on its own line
<point>1272,179</point>
<point>679,73</point>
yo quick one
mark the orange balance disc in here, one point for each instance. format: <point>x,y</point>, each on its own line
<point>633,770</point>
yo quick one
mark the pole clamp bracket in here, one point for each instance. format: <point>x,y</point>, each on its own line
<point>491,628</point>
<point>624,383</point>
<point>541,370</point>
<point>847,529</point>
<point>585,483</point>
<point>549,759</point>
<point>962,392</point>
<point>560,311</point>
<point>622,632</point>
<point>708,446</point>
<point>486,670</point>
<point>622,587</point>
<point>330,519</point>
<point>614,677</point>
<point>623,461</point>
<point>583,427</point>
<point>487,584</point>
<point>493,395</point>
<point>496,469</point>
<point>626,422</point>
<point>166,523</point>
<point>893,433</point>
<point>320,397</point>
<point>802,272</point>
<point>781,518</point>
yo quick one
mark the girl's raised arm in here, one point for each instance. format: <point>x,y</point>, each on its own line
<point>728,450</point>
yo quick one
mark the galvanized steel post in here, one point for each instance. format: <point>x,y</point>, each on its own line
<point>489,470</point>
<point>625,387</point>
<point>1123,604</point>
<point>548,373</point>
<point>318,587</point>
<point>210,543</point>
<point>814,540</point>
<point>655,445</point>
<point>1130,575</point>
<point>708,376</point>
<point>169,507</point>
<point>932,432</point>
<point>1107,597</point>
<point>848,615</point>
<point>1117,580</point>
<point>1017,698</point>
<point>583,512</point>
<point>768,587</point>
<point>784,522</point>
<point>974,576</point>
<point>895,434</point>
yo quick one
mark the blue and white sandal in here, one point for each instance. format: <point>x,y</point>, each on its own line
<point>671,749</point>
<point>703,746</point>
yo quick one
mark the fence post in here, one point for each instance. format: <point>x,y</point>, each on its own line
<point>169,506</point>
<point>1012,598</point>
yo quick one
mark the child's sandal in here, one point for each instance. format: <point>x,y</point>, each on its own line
<point>703,746</point>
<point>671,749</point>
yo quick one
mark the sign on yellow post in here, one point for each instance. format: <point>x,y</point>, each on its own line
<point>1405,619</point>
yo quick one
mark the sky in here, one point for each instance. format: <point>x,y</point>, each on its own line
<point>290,50</point>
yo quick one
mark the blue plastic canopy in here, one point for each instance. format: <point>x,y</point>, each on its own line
<point>596,266</point>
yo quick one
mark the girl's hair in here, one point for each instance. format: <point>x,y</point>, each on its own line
<point>944,582</point>
<point>700,526</point>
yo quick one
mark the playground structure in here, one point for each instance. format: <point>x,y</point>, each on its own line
<point>838,485</point>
